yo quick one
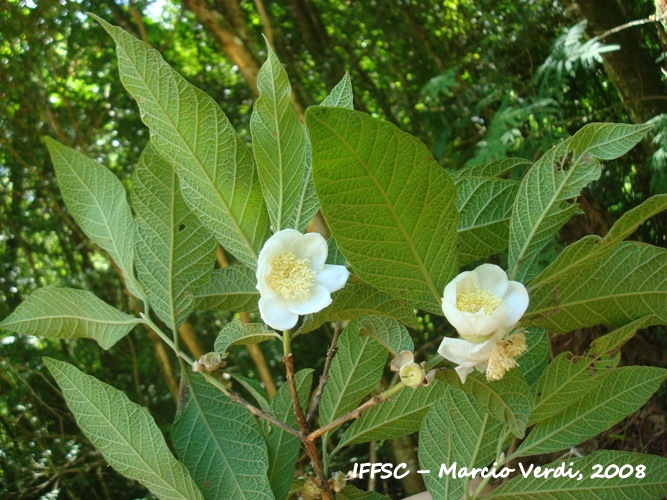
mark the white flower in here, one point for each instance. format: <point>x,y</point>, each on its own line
<point>496,356</point>
<point>293,279</point>
<point>478,303</point>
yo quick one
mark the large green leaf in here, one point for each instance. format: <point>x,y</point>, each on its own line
<point>355,370</point>
<point>98,202</point>
<point>124,432</point>
<point>535,360</point>
<point>493,168</point>
<point>233,288</point>
<point>603,280</point>
<point>401,415</point>
<point>308,204</point>
<point>617,394</point>
<point>237,333</point>
<point>507,400</point>
<point>542,207</point>
<point>624,282</point>
<point>358,299</point>
<point>220,443</point>
<point>390,206</point>
<point>175,253</point>
<point>647,479</point>
<point>632,219</point>
<point>485,205</point>
<point>388,332</point>
<point>283,447</point>
<point>188,129</point>
<point>64,313</point>
<point>278,142</point>
<point>565,381</point>
<point>455,431</point>
<point>353,493</point>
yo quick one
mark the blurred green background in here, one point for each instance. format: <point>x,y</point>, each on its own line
<point>474,79</point>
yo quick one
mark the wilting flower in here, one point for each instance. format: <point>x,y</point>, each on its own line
<point>293,279</point>
<point>496,356</point>
<point>478,303</point>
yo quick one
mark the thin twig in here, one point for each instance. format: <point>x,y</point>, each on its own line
<point>370,403</point>
<point>650,19</point>
<point>309,445</point>
<point>325,373</point>
<point>219,385</point>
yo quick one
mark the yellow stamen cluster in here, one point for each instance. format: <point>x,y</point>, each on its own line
<point>291,277</point>
<point>502,359</point>
<point>473,302</point>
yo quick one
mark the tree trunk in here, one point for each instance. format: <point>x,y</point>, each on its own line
<point>631,69</point>
<point>230,40</point>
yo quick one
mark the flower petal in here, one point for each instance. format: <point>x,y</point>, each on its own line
<point>318,299</point>
<point>463,372</point>
<point>464,282</point>
<point>455,318</point>
<point>277,245</point>
<point>516,299</point>
<point>311,246</point>
<point>332,277</point>
<point>480,325</point>
<point>493,278</point>
<point>274,312</point>
<point>465,353</point>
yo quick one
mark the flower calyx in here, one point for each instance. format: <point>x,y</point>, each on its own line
<point>412,374</point>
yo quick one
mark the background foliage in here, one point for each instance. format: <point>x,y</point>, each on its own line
<point>474,80</point>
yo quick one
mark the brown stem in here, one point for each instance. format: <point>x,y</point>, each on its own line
<point>309,445</point>
<point>259,413</point>
<point>325,373</point>
<point>374,401</point>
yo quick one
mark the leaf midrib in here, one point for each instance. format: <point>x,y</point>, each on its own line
<point>408,240</point>
<point>192,155</point>
<point>101,414</point>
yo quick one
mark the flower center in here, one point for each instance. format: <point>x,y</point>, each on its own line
<point>291,277</point>
<point>473,302</point>
<point>503,358</point>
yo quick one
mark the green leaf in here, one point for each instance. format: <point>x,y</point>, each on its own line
<point>175,254</point>
<point>534,361</point>
<point>282,446</point>
<point>230,289</point>
<point>333,253</point>
<point>308,204</point>
<point>622,283</point>
<point>390,206</point>
<point>611,343</point>
<point>650,483</point>
<point>542,208</point>
<point>507,400</point>
<point>358,299</point>
<point>341,95</point>
<point>64,313</point>
<point>455,430</point>
<point>124,432</point>
<point>493,168</point>
<point>254,388</point>
<point>616,394</point>
<point>188,129</point>
<point>485,205</point>
<point>388,332</point>
<point>353,493</point>
<point>237,333</point>
<point>98,202</point>
<point>566,381</point>
<point>220,443</point>
<point>632,219</point>
<point>355,370</point>
<point>279,143</point>
<point>401,415</point>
